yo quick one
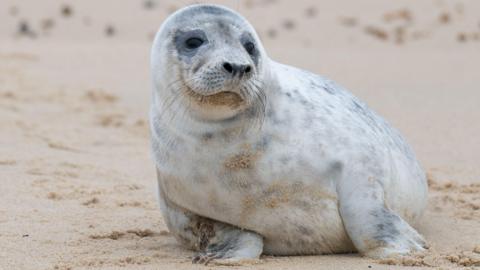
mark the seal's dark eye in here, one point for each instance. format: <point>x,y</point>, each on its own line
<point>193,43</point>
<point>250,47</point>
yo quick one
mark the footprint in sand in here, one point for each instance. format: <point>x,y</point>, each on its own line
<point>100,96</point>
<point>8,162</point>
<point>377,32</point>
<point>54,196</point>
<point>131,204</point>
<point>115,235</point>
<point>461,200</point>
<point>111,120</point>
<point>92,201</point>
<point>404,15</point>
<point>8,95</point>
<point>60,146</point>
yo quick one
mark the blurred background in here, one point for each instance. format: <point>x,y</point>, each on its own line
<point>74,100</point>
<point>416,62</point>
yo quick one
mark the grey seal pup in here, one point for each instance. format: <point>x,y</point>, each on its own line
<point>254,156</point>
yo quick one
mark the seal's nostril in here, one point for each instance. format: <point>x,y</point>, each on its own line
<point>248,69</point>
<point>228,67</point>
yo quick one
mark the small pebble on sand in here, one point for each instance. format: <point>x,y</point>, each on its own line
<point>25,30</point>
<point>288,24</point>
<point>47,24</point>
<point>462,37</point>
<point>149,4</point>
<point>110,30</point>
<point>272,33</point>
<point>348,21</point>
<point>444,18</point>
<point>66,11</point>
<point>23,27</point>
<point>13,11</point>
<point>311,12</point>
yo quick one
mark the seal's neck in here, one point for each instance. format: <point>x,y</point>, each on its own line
<point>181,124</point>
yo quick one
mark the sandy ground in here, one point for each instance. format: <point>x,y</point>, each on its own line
<point>77,183</point>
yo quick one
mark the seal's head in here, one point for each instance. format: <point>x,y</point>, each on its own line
<point>209,59</point>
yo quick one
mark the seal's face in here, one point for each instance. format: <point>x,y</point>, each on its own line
<point>212,58</point>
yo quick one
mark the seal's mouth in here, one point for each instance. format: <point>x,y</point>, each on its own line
<point>223,98</point>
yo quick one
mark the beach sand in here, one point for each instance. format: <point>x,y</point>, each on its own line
<point>77,181</point>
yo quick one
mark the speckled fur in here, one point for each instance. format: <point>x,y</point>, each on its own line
<point>308,169</point>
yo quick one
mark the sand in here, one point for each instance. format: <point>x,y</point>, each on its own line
<point>77,182</point>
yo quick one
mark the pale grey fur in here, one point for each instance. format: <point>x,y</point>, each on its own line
<point>322,173</point>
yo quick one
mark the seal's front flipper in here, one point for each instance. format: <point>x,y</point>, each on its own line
<point>212,239</point>
<point>375,230</point>
<point>230,244</point>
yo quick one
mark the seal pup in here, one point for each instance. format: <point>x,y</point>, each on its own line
<point>255,157</point>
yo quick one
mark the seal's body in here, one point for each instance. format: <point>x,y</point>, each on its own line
<point>254,156</point>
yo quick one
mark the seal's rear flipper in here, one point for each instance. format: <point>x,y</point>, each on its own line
<point>375,230</point>
<point>393,236</point>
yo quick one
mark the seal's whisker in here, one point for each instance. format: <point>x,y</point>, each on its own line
<point>167,102</point>
<point>256,99</point>
<point>175,90</point>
